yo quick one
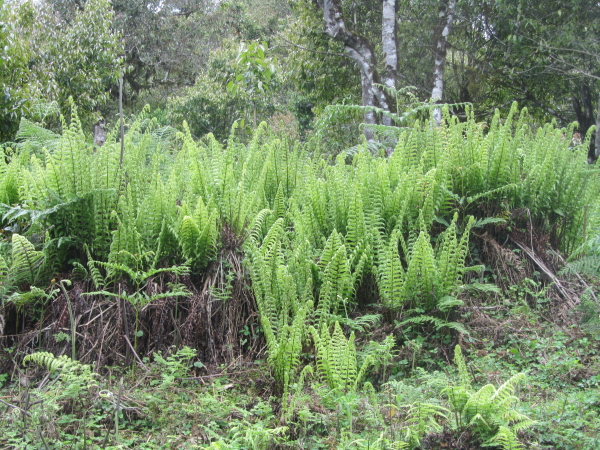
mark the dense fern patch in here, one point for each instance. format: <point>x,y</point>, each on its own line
<point>224,247</point>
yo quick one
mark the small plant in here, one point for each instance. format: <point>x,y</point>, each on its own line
<point>174,366</point>
<point>488,413</point>
<point>337,361</point>
<point>70,402</point>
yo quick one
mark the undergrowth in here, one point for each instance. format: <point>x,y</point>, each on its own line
<point>314,292</point>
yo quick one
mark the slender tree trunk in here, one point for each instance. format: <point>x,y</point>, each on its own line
<point>122,122</point>
<point>361,51</point>
<point>389,28</point>
<point>583,105</point>
<point>596,152</point>
<point>444,25</point>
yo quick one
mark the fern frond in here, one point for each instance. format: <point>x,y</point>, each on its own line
<point>337,284</point>
<point>447,302</point>
<point>504,396</point>
<point>337,359</point>
<point>50,362</point>
<point>26,261</point>
<point>463,374</point>
<point>3,269</point>
<point>479,403</point>
<point>504,439</point>
<point>361,323</point>
<point>97,278</point>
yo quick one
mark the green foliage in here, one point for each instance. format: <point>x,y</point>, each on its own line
<point>176,365</point>
<point>255,71</point>
<point>336,358</point>
<point>52,363</point>
<point>52,58</point>
<point>197,233</point>
<point>214,103</point>
<point>16,84</point>
<point>80,70</point>
<point>490,412</point>
<point>315,235</point>
<point>26,261</point>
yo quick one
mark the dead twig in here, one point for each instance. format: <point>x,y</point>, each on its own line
<point>135,353</point>
<point>22,411</point>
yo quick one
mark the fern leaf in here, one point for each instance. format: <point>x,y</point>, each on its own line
<point>504,439</point>
<point>463,374</point>
<point>49,361</point>
<point>26,261</point>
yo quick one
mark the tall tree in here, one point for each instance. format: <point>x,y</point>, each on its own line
<point>54,56</point>
<point>16,87</point>
<point>500,52</point>
<point>442,32</point>
<point>363,53</point>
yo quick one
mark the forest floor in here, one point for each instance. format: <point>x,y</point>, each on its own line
<point>174,401</point>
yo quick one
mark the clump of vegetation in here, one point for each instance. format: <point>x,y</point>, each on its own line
<point>276,265</point>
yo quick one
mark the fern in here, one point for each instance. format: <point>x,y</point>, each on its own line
<point>74,377</point>
<point>423,418</point>
<point>505,439</point>
<point>463,375</point>
<point>437,323</point>
<point>3,269</point>
<point>26,261</point>
<point>336,357</point>
<point>489,411</point>
<point>285,347</point>
<point>35,136</point>
<point>337,285</point>
<point>197,234</point>
<point>337,363</point>
<point>51,362</point>
<point>392,278</point>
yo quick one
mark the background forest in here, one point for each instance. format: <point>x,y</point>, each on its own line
<point>315,225</point>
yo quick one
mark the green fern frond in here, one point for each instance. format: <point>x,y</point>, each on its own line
<point>504,396</point>
<point>479,402</point>
<point>255,230</point>
<point>97,278</point>
<point>336,358</point>
<point>447,302</point>
<point>422,419</point>
<point>437,323</point>
<point>52,363</point>
<point>480,223</point>
<point>463,374</point>
<point>504,439</point>
<point>26,261</point>
<point>361,323</point>
<point>31,134</point>
<point>391,276</point>
<point>3,269</point>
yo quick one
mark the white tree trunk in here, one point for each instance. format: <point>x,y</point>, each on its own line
<point>390,47</point>
<point>597,140</point>
<point>361,51</point>
<point>445,21</point>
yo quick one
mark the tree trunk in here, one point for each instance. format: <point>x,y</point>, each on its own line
<point>442,31</point>
<point>596,141</point>
<point>361,51</point>
<point>389,28</point>
<point>583,104</point>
